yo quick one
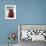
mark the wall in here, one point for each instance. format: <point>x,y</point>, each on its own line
<point>27,12</point>
<point>31,11</point>
<point>6,26</point>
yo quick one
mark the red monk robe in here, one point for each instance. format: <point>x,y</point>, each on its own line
<point>11,13</point>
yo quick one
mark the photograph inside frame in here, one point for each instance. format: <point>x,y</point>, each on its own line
<point>10,11</point>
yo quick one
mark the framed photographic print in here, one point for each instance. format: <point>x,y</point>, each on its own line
<point>10,11</point>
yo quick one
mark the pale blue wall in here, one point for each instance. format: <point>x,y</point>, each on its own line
<point>28,12</point>
<point>6,26</point>
<point>31,11</point>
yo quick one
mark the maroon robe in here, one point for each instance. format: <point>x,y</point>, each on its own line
<point>11,13</point>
